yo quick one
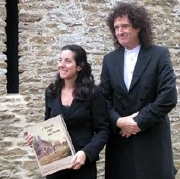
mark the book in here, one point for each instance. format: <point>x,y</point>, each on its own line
<point>52,145</point>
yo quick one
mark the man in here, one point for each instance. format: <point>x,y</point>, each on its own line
<point>138,82</point>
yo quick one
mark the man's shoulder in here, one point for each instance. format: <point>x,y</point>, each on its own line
<point>157,48</point>
<point>115,52</point>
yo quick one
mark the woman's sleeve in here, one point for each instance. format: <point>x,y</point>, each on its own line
<point>100,125</point>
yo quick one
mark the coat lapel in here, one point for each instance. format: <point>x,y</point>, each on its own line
<point>58,106</point>
<point>142,61</point>
<point>119,68</point>
<point>75,104</point>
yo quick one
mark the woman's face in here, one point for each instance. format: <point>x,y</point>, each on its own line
<point>68,69</point>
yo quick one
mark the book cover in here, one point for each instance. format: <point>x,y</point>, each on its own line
<point>51,144</point>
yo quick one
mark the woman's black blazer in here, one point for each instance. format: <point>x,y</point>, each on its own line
<point>86,121</point>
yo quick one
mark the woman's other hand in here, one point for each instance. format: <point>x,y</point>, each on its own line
<point>29,138</point>
<point>78,160</point>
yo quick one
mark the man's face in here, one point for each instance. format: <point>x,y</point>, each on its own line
<point>127,36</point>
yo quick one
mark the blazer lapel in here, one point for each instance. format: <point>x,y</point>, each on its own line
<point>142,61</point>
<point>75,104</point>
<point>58,106</point>
<point>119,68</point>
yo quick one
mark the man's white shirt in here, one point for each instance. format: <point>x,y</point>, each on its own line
<point>130,59</point>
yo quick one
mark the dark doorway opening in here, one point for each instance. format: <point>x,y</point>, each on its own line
<point>12,46</point>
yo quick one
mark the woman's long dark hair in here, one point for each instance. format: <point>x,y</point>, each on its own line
<point>139,18</point>
<point>84,83</point>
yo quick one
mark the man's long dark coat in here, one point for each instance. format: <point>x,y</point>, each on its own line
<point>152,93</point>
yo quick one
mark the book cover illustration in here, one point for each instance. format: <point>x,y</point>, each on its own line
<point>52,145</point>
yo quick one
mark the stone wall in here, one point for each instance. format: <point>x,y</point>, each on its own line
<point>44,27</point>
<point>3,65</point>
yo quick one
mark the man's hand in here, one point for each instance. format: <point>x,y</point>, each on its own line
<point>128,126</point>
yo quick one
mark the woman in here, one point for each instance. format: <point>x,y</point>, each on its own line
<point>75,96</point>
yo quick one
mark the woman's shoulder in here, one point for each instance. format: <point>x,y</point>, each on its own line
<point>51,93</point>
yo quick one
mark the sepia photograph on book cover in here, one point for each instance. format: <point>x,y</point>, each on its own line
<point>52,145</point>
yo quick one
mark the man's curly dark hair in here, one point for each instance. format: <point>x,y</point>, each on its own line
<point>138,16</point>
